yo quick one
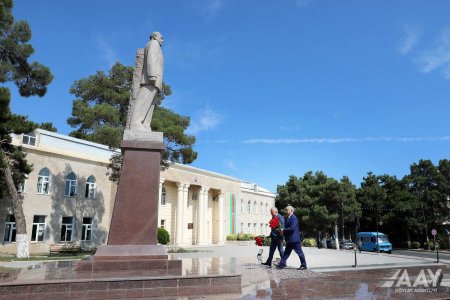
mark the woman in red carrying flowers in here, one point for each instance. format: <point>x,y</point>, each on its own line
<point>276,225</point>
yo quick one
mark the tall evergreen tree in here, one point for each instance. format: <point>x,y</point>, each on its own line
<point>31,79</point>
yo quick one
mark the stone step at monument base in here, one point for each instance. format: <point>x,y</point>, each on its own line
<point>221,286</point>
<point>155,266</point>
<point>151,259</point>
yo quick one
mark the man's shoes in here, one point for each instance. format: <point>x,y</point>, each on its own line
<point>267,264</point>
<point>302,268</point>
<point>280,266</point>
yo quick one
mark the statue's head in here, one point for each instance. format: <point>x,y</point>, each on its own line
<point>157,37</point>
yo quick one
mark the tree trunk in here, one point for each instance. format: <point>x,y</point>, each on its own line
<point>408,239</point>
<point>21,227</point>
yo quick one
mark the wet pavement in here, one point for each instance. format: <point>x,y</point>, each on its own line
<point>377,276</point>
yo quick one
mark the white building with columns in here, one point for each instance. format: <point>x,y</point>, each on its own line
<point>69,198</point>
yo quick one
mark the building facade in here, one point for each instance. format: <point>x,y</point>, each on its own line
<point>69,198</point>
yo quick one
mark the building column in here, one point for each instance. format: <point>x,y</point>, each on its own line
<point>202,199</point>
<point>221,219</point>
<point>179,213</point>
<point>161,182</point>
<point>184,213</point>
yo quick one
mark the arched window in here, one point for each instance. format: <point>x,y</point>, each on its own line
<point>29,139</point>
<point>71,185</point>
<point>242,206</point>
<point>43,184</point>
<point>261,209</point>
<point>255,208</point>
<point>249,207</point>
<point>91,187</point>
<point>163,196</point>
<point>267,209</point>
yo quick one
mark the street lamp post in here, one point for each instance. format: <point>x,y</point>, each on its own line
<point>342,214</point>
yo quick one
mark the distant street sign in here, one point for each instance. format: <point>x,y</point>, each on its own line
<point>434,232</point>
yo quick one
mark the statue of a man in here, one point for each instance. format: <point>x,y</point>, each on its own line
<point>150,85</point>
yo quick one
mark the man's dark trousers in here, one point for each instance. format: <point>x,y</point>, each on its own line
<point>274,244</point>
<point>298,249</point>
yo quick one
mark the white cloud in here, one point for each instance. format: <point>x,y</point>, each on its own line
<point>188,55</point>
<point>412,35</point>
<point>230,165</point>
<point>106,51</point>
<point>207,119</point>
<point>303,3</point>
<point>346,140</point>
<point>209,8</point>
<point>437,58</point>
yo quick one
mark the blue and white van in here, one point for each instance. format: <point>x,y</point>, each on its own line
<point>367,241</point>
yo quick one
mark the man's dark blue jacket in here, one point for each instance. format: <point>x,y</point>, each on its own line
<point>291,233</point>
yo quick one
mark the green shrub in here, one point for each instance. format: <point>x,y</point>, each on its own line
<point>231,237</point>
<point>415,245</point>
<point>163,236</point>
<point>245,237</point>
<point>309,243</point>
<point>425,245</point>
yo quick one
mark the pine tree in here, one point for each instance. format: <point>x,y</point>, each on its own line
<point>31,79</point>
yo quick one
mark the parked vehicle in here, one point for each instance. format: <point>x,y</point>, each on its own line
<point>346,245</point>
<point>331,244</point>
<point>367,241</point>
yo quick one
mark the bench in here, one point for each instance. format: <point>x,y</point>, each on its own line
<point>65,248</point>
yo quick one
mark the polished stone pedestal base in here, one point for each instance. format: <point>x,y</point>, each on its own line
<point>149,259</point>
<point>135,216</point>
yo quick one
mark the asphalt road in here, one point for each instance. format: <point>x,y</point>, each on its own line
<point>422,254</point>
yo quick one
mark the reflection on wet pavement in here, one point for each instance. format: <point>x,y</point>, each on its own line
<point>257,281</point>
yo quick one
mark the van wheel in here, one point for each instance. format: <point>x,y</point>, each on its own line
<point>389,252</point>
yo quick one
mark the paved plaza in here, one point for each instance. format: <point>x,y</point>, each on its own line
<point>330,275</point>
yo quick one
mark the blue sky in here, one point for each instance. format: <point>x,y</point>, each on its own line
<point>275,87</point>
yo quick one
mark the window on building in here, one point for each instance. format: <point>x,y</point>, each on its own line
<point>71,185</point>
<point>163,196</point>
<point>255,207</point>
<point>37,234</point>
<point>29,139</point>
<point>249,228</point>
<point>91,187</point>
<point>242,227</point>
<point>10,229</point>
<point>66,229</point>
<point>249,207</point>
<point>267,209</point>
<point>261,228</point>
<point>261,209</point>
<point>163,223</point>
<point>194,196</point>
<point>43,185</point>
<point>254,228</point>
<point>242,206</point>
<point>86,232</point>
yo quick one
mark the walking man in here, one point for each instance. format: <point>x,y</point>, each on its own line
<point>276,237</point>
<point>292,236</point>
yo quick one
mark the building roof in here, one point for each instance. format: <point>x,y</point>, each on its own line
<point>67,145</point>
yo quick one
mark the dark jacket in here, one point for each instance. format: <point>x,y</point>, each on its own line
<point>291,233</point>
<point>276,234</point>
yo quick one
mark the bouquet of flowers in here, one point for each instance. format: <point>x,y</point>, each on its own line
<point>275,224</point>
<point>259,240</point>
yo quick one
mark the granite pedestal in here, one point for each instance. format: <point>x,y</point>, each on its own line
<point>132,240</point>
